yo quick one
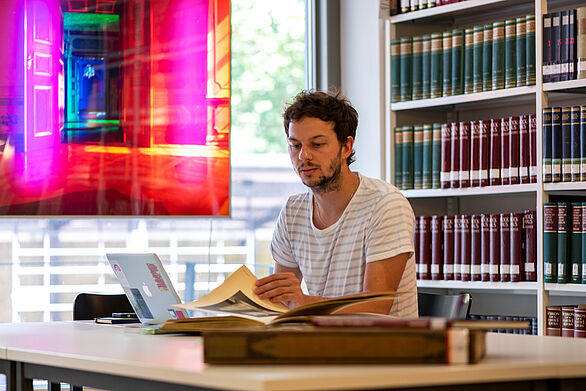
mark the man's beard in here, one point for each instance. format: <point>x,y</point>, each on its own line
<point>330,182</point>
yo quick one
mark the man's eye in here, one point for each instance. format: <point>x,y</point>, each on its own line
<point>317,145</point>
<point>294,146</point>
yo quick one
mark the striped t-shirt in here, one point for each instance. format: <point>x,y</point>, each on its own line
<point>377,224</point>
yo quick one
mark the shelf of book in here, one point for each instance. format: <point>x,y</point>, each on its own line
<point>563,186</point>
<point>470,191</point>
<point>560,289</point>
<point>567,85</point>
<point>502,94</point>
<point>527,287</point>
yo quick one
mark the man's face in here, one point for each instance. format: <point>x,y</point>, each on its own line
<point>316,153</point>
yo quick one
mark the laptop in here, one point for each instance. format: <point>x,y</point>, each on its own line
<point>147,286</point>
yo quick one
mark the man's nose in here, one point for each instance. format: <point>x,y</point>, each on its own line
<point>304,154</point>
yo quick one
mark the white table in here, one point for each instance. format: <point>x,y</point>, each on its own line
<point>109,357</point>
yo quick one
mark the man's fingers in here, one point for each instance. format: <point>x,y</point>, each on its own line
<point>274,277</point>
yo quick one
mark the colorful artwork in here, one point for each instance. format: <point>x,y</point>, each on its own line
<point>118,107</point>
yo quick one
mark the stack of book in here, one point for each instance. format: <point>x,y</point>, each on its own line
<point>487,247</point>
<point>466,154</point>
<point>564,45</point>
<point>566,321</point>
<point>564,144</point>
<point>463,61</point>
<point>564,239</point>
<point>532,330</point>
<point>404,6</point>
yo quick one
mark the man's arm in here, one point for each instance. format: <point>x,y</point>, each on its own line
<point>284,286</point>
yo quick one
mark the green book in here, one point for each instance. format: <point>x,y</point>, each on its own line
<point>498,55</point>
<point>562,243</point>
<point>406,69</point>
<point>550,232</point>
<point>436,65</point>
<point>576,244</point>
<point>583,239</point>
<point>457,61</point>
<point>510,55</point>
<point>566,144</point>
<point>436,156</point>
<point>521,34</point>
<point>487,58</point>
<point>426,66</point>
<point>398,157</point>
<point>477,59</point>
<point>418,156</point>
<point>556,144</point>
<point>468,60</point>
<point>407,158</point>
<point>530,51</point>
<point>447,63</point>
<point>417,67</point>
<point>395,70</point>
<point>427,155</point>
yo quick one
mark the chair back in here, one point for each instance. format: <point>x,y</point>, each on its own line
<point>456,306</point>
<point>88,306</point>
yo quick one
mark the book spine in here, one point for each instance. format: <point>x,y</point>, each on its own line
<point>505,154</point>
<point>399,157</point>
<point>405,6</point>
<point>436,65</point>
<point>437,272</point>
<point>583,244</point>
<point>407,158</point>
<point>455,158</point>
<point>556,41</point>
<point>475,248</point>
<point>487,58</point>
<point>417,247</point>
<point>550,231</point>
<point>514,150</point>
<point>395,7</point>
<point>426,67</point>
<point>436,155</point>
<point>562,243</point>
<point>575,143</point>
<point>581,42</point>
<point>572,46</point>
<point>465,253</point>
<point>447,63</point>
<point>484,151</point>
<point>547,48</point>
<point>530,266</point>
<point>417,92</point>
<point>566,144</point>
<point>475,153</point>
<point>414,5</point>
<point>425,247</point>
<point>448,258</point>
<point>395,70</point>
<point>446,173</point>
<point>516,241</point>
<point>494,246</point>
<point>505,250</point>
<point>418,156</point>
<point>533,148</point>
<point>464,154</point>
<point>524,145</point>
<point>494,173</point>
<point>530,51</point>
<point>575,273</point>
<point>553,326</point>
<point>510,57</point>
<point>427,155</point>
<point>468,60</point>
<point>583,143</point>
<point>485,247</point>
<point>498,55</point>
<point>422,4</point>
<point>521,37</point>
<point>431,3</point>
<point>547,147</point>
<point>564,44</point>
<point>477,59</point>
<point>567,321</point>
<point>556,144</point>
<point>457,61</point>
<point>579,322</point>
<point>406,69</point>
<point>458,247</point>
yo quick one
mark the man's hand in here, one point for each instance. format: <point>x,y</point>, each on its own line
<point>281,287</point>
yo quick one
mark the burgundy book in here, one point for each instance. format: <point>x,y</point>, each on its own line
<point>516,226</point>
<point>437,270</point>
<point>494,173</point>
<point>579,322</point>
<point>475,248</point>
<point>494,246</point>
<point>475,153</point>
<point>485,247</point>
<point>425,247</point>
<point>533,148</point>
<point>553,316</point>
<point>465,243</point>
<point>457,247</point>
<point>484,151</point>
<point>524,146</point>
<point>448,228</point>
<point>505,154</point>
<point>505,244</point>
<point>416,238</point>
<point>455,162</point>
<point>530,267</point>
<point>464,154</point>
<point>446,169</point>
<point>567,321</point>
<point>514,150</point>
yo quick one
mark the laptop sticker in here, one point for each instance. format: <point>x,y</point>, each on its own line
<point>157,276</point>
<point>120,275</point>
<point>172,313</point>
<point>141,306</point>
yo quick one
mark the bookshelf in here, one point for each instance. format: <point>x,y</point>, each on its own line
<point>481,106</point>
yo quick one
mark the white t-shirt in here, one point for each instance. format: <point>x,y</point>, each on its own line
<point>377,224</point>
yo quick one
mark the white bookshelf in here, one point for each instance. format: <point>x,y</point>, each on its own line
<point>503,287</point>
<point>471,191</point>
<point>564,85</point>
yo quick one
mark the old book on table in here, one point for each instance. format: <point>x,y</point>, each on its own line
<point>495,255</point>
<point>556,41</point>
<point>530,51</point>
<point>556,144</point>
<point>547,146</point>
<point>436,65</point>
<point>530,241</point>
<point>437,270</point>
<point>395,70</point>
<point>581,43</point>
<point>407,158</point>
<point>533,148</point>
<point>425,247</point>
<point>485,247</point>
<point>458,247</point>
<point>457,61</point>
<point>406,69</point>
<point>464,176</point>
<point>516,226</point>
<point>418,156</point>
<point>447,63</point>
<point>446,156</point>
<point>475,153</point>
<point>510,55</point>
<point>567,321</point>
<point>505,153</point>
<point>562,243</point>
<point>487,58</point>
<point>398,157</point>
<point>575,142</point>
<point>575,244</point>
<point>417,92</point>
<point>505,250</point>
<point>455,157</point>
<point>565,44</point>
<point>547,48</point>
<point>426,66</point>
<point>520,50</point>
<point>553,319</point>
<point>498,55</point>
<point>566,144</point>
<point>550,232</point>
<point>514,150</point>
<point>580,322</point>
<point>469,60</point>
<point>494,172</point>
<point>465,243</point>
<point>524,147</point>
<point>436,157</point>
<point>477,61</point>
<point>427,163</point>
<point>448,258</point>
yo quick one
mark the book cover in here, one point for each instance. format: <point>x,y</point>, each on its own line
<point>581,42</point>
<point>575,143</point>
<point>455,158</point>
<point>475,153</point>
<point>553,320</point>
<point>556,41</point>
<point>575,245</point>
<point>475,247</point>
<point>547,146</point>
<point>524,146</point>
<point>437,270</point>
<point>530,51</point>
<point>521,37</point>
<point>465,243</point>
<point>562,243</point>
<point>406,69</point>
<point>494,255</point>
<point>567,322</point>
<point>426,66</point>
<point>484,150</point>
<point>458,247</point>
<point>533,148</point>
<point>398,148</point>
<point>510,56</point>
<point>547,48</point>
<point>418,156</point>
<point>572,46</point>
<point>516,241</point>
<point>477,59</point>
<point>564,44</point>
<point>436,65</point>
<point>566,144</point>
<point>448,258</point>
<point>446,156</point>
<point>514,150</point>
<point>550,232</point>
<point>579,322</point>
<point>464,177</point>
<point>505,154</point>
<point>407,156</point>
<point>487,58</point>
<point>447,63</point>
<point>494,173</point>
<point>485,247</point>
<point>505,250</point>
<point>583,243</point>
<point>395,70</point>
<point>436,155</point>
<point>427,156</point>
<point>530,266</point>
<point>583,143</point>
<point>425,247</point>
<point>416,246</point>
<point>469,60</point>
<point>498,55</point>
<point>556,144</point>
<point>457,61</point>
<point>417,92</point>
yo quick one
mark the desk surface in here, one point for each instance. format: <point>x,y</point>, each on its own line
<point>178,359</point>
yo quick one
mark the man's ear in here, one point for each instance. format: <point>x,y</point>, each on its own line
<point>347,147</point>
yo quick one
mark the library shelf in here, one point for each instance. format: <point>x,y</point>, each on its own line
<point>507,93</point>
<point>567,85</point>
<point>561,289</point>
<point>564,186</point>
<point>523,286</point>
<point>471,191</point>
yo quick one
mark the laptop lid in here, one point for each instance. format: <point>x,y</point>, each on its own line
<point>147,286</point>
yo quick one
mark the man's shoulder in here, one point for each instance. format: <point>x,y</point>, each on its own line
<point>378,188</point>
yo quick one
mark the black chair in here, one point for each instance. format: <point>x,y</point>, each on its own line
<point>456,306</point>
<point>87,306</point>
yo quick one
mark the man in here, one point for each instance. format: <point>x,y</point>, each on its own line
<point>349,233</point>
